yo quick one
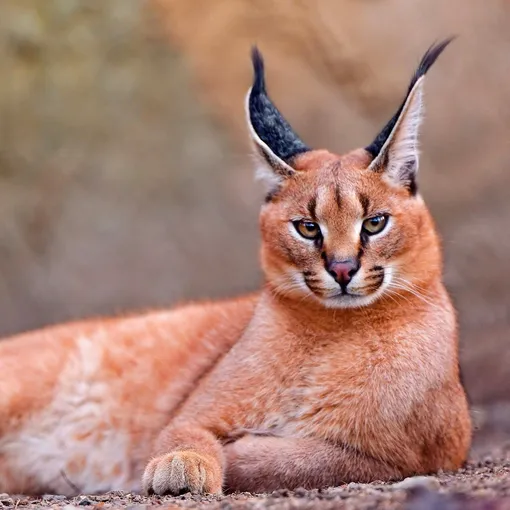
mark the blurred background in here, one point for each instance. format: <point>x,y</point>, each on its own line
<point>125,176</point>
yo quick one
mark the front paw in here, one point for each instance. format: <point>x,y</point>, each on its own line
<point>180,472</point>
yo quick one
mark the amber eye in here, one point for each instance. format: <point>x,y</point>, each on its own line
<point>308,229</point>
<point>375,224</point>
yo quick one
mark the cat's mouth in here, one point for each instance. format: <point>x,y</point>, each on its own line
<point>351,299</point>
<point>355,294</point>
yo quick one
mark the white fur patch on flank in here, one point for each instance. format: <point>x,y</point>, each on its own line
<point>74,444</point>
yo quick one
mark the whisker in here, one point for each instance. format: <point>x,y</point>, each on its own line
<point>402,284</point>
<point>414,285</point>
<point>286,287</point>
<point>391,292</point>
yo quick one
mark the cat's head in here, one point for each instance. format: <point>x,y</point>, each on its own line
<point>344,230</point>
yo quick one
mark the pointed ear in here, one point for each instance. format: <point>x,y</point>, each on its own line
<point>275,143</point>
<point>395,149</point>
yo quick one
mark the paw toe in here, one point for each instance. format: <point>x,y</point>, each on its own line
<point>181,472</point>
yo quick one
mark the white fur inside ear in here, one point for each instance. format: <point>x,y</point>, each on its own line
<point>270,169</point>
<point>400,152</point>
<point>265,173</point>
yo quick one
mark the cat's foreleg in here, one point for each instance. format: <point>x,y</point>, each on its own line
<point>187,459</point>
<point>262,464</point>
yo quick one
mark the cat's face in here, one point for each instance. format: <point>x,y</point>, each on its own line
<point>344,230</point>
<point>342,234</point>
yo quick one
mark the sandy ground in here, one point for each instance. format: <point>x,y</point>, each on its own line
<point>484,484</point>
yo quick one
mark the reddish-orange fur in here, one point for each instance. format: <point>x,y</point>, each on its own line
<point>277,389</point>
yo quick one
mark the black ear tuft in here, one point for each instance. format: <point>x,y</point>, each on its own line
<point>267,122</point>
<point>259,81</point>
<point>428,60</point>
<point>426,63</point>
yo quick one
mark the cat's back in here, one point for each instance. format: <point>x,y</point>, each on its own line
<point>125,373</point>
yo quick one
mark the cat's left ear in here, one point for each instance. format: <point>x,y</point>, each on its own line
<point>276,144</point>
<point>395,149</point>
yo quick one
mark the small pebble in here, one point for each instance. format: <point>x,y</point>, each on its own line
<point>53,497</point>
<point>356,486</point>
<point>6,500</point>
<point>415,482</point>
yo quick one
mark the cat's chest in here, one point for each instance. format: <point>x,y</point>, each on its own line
<point>335,374</point>
<point>341,387</point>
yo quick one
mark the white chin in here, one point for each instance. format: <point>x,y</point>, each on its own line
<point>351,301</point>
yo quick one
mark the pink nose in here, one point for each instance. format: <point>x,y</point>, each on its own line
<point>343,271</point>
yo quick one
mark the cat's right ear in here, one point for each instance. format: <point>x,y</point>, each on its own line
<point>275,143</point>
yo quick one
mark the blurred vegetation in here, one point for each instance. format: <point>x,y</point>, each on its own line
<point>125,179</point>
<point>108,168</point>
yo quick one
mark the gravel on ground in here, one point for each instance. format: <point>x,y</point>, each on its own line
<point>484,484</point>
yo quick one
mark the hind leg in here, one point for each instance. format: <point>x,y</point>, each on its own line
<point>81,404</point>
<point>58,432</point>
<point>29,369</point>
<point>58,452</point>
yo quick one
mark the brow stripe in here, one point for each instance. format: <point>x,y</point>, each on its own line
<point>365,203</point>
<point>312,205</point>
<point>338,197</point>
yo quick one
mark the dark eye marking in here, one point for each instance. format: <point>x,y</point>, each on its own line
<point>364,240</point>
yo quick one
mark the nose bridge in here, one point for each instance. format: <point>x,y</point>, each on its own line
<point>342,243</point>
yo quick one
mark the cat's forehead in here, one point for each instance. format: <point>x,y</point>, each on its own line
<point>325,162</point>
<point>327,179</point>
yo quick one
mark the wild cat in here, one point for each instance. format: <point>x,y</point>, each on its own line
<point>343,367</point>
